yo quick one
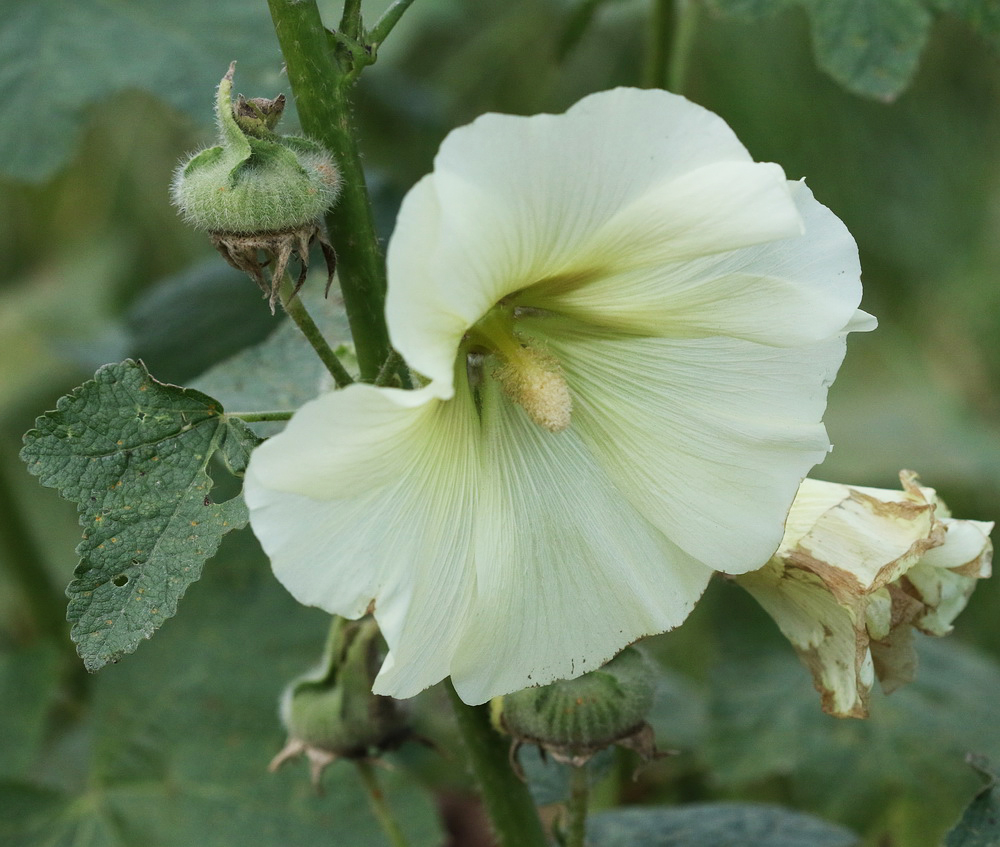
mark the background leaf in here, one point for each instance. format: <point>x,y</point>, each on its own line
<point>133,454</point>
<point>60,58</point>
<point>872,48</point>
<point>980,823</point>
<point>715,825</point>
<point>173,750</point>
<point>767,732</point>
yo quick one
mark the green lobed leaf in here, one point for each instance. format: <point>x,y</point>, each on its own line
<point>61,57</point>
<point>873,48</point>
<point>133,454</point>
<point>980,824</point>
<point>714,825</point>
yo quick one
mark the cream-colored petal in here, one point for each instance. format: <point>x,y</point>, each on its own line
<point>793,290</point>
<point>368,498</point>
<point>829,638</point>
<point>568,573</point>
<point>707,438</point>
<point>623,177</point>
<point>946,576</point>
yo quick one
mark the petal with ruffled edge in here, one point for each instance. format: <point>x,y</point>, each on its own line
<point>367,498</point>
<point>707,438</point>
<point>567,572</point>
<point>623,178</point>
<point>793,290</point>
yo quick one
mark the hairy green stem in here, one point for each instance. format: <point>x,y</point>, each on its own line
<point>579,793</point>
<point>253,417</point>
<point>390,17</point>
<point>350,19</point>
<point>296,310</point>
<point>507,800</point>
<point>379,806</point>
<point>321,90</point>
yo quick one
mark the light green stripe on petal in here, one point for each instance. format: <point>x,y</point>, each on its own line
<point>624,178</point>
<point>372,520</point>
<point>797,289</point>
<point>708,438</point>
<point>567,571</point>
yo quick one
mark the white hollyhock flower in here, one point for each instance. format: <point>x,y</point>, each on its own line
<point>857,571</point>
<point>627,329</point>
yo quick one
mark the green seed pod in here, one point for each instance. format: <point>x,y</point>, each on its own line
<point>331,713</point>
<point>257,190</point>
<point>574,719</point>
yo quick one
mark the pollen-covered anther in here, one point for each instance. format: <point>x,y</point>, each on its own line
<point>535,382</point>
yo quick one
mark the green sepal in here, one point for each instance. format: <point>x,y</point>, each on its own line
<point>133,454</point>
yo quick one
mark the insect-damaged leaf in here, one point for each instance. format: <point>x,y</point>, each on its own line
<point>133,453</point>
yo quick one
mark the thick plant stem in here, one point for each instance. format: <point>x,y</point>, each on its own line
<point>383,814</point>
<point>579,792</point>
<point>321,90</point>
<point>296,310</point>
<point>510,807</point>
<point>685,26</point>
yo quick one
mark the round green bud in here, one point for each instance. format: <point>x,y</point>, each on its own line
<point>331,712</point>
<point>254,180</point>
<point>574,719</point>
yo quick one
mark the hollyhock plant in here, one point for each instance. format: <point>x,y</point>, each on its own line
<point>624,330</point>
<point>860,569</point>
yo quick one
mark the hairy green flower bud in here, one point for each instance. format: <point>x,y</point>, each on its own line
<point>331,713</point>
<point>575,719</point>
<point>257,191</point>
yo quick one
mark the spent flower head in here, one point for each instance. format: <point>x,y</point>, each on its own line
<point>626,329</point>
<point>860,569</point>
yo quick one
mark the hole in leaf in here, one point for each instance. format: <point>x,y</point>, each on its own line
<point>120,580</point>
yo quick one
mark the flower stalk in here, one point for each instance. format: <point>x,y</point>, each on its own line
<point>579,794</point>
<point>296,310</point>
<point>321,87</point>
<point>507,799</point>
<point>383,814</point>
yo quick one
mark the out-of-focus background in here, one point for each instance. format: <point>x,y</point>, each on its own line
<point>169,747</point>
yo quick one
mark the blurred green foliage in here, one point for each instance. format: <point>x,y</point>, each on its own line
<point>96,267</point>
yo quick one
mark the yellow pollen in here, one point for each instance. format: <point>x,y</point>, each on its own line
<point>535,384</point>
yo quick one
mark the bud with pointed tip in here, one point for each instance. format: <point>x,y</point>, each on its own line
<point>331,713</point>
<point>257,191</point>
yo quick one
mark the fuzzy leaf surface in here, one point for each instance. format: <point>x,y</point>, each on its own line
<point>133,454</point>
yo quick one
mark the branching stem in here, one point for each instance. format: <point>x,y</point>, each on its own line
<point>321,88</point>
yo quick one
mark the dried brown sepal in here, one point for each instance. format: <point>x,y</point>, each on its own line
<point>252,252</point>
